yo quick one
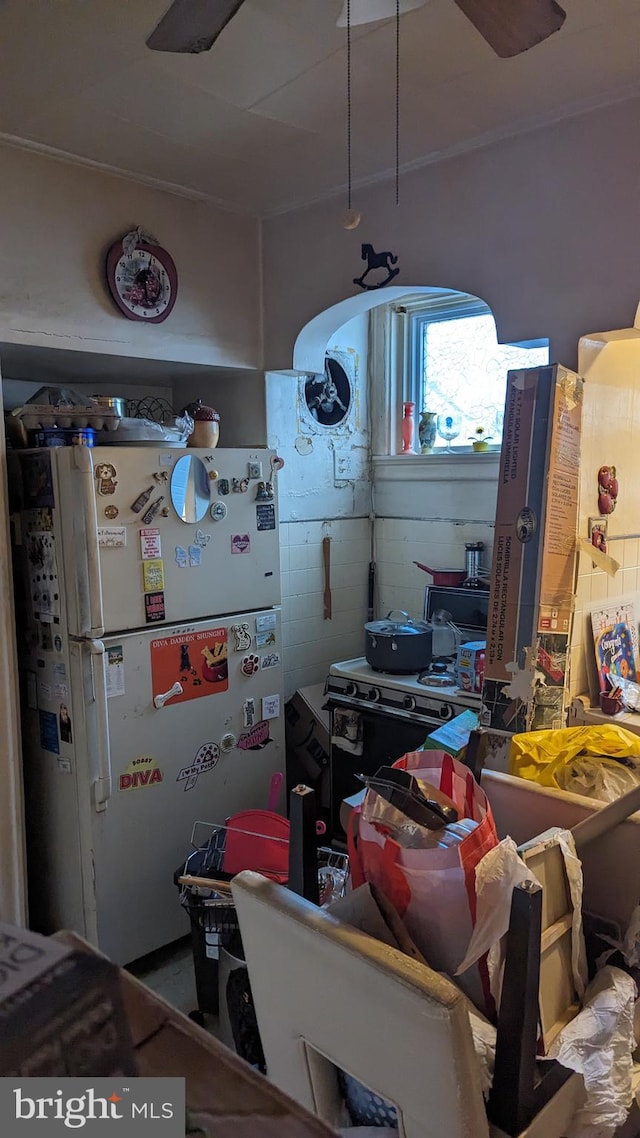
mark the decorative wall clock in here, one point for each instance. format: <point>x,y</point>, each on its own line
<point>142,277</point>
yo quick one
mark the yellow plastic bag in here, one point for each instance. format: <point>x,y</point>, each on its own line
<point>538,755</point>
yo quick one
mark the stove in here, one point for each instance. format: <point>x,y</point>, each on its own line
<point>420,698</point>
<point>378,716</point>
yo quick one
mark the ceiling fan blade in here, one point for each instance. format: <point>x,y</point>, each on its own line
<point>513,26</point>
<point>192,25</point>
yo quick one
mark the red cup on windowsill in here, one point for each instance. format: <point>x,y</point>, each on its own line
<point>610,703</point>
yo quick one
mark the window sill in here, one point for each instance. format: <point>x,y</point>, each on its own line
<point>463,466</point>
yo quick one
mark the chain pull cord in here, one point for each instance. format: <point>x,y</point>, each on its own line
<point>397,102</point>
<point>349,106</point>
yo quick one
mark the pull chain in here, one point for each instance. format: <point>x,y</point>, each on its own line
<point>351,218</point>
<point>349,105</point>
<point>397,102</point>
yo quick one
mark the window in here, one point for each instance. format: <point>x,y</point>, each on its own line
<point>457,368</point>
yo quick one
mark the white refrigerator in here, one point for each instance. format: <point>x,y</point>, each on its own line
<point>148,585</point>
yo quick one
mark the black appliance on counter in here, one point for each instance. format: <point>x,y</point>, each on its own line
<point>376,717</point>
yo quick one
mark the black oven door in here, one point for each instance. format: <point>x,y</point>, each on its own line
<point>385,738</point>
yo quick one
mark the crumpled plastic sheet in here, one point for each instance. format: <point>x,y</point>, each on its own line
<point>599,777</point>
<point>500,870</point>
<point>598,1044</point>
<point>629,946</point>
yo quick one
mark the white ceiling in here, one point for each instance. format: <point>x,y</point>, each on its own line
<point>258,122</point>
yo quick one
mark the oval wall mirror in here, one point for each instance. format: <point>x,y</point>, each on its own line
<point>190,488</point>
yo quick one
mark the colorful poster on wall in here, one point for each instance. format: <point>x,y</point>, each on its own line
<point>196,660</point>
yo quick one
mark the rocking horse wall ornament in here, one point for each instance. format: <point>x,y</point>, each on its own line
<point>376,262</point>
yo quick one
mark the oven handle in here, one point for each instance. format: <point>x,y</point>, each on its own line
<point>366,708</point>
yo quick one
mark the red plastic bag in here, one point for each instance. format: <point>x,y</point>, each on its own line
<point>434,889</point>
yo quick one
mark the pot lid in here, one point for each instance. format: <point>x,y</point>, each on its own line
<point>394,627</point>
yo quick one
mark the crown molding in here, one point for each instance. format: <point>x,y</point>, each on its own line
<point>53,152</point>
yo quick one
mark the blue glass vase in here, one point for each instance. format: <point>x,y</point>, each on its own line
<point>427,431</point>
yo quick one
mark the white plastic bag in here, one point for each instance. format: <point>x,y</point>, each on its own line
<point>500,870</point>
<point>598,1044</point>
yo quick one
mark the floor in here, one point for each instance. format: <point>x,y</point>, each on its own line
<point>170,973</point>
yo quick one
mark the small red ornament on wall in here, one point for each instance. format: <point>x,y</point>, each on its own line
<point>607,489</point>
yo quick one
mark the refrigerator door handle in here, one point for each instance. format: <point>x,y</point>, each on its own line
<point>83,461</point>
<point>102,785</point>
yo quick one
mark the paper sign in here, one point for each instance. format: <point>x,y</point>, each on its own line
<point>44,692</point>
<point>115,671</point>
<point>32,691</point>
<point>196,660</point>
<point>153,575</point>
<point>49,732</point>
<point>150,546</point>
<point>270,706</point>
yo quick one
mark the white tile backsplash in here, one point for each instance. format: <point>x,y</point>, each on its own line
<point>310,643</point>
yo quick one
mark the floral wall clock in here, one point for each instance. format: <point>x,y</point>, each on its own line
<point>142,277</point>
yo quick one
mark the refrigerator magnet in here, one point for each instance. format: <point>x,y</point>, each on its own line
<point>181,557</point>
<point>218,512</point>
<point>271,660</point>
<point>143,771</point>
<point>265,516</point>
<point>240,543</point>
<point>195,556</point>
<point>248,712</point>
<point>204,760</point>
<point>150,546</point>
<point>266,639</point>
<point>270,706</point>
<point>154,610</point>
<point>202,539</point>
<point>153,575</point>
<point>265,622</point>
<point>241,637</point>
<point>256,738</point>
<point>250,665</point>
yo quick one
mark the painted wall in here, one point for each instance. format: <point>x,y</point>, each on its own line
<point>58,222</point>
<point>317,501</point>
<point>610,364</point>
<point>543,227</point>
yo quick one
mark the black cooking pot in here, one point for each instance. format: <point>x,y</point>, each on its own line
<point>399,646</point>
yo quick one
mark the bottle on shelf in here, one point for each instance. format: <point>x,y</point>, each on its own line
<point>408,428</point>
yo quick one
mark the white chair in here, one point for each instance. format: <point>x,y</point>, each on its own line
<point>328,995</point>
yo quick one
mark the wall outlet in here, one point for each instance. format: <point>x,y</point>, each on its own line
<point>344,466</point>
